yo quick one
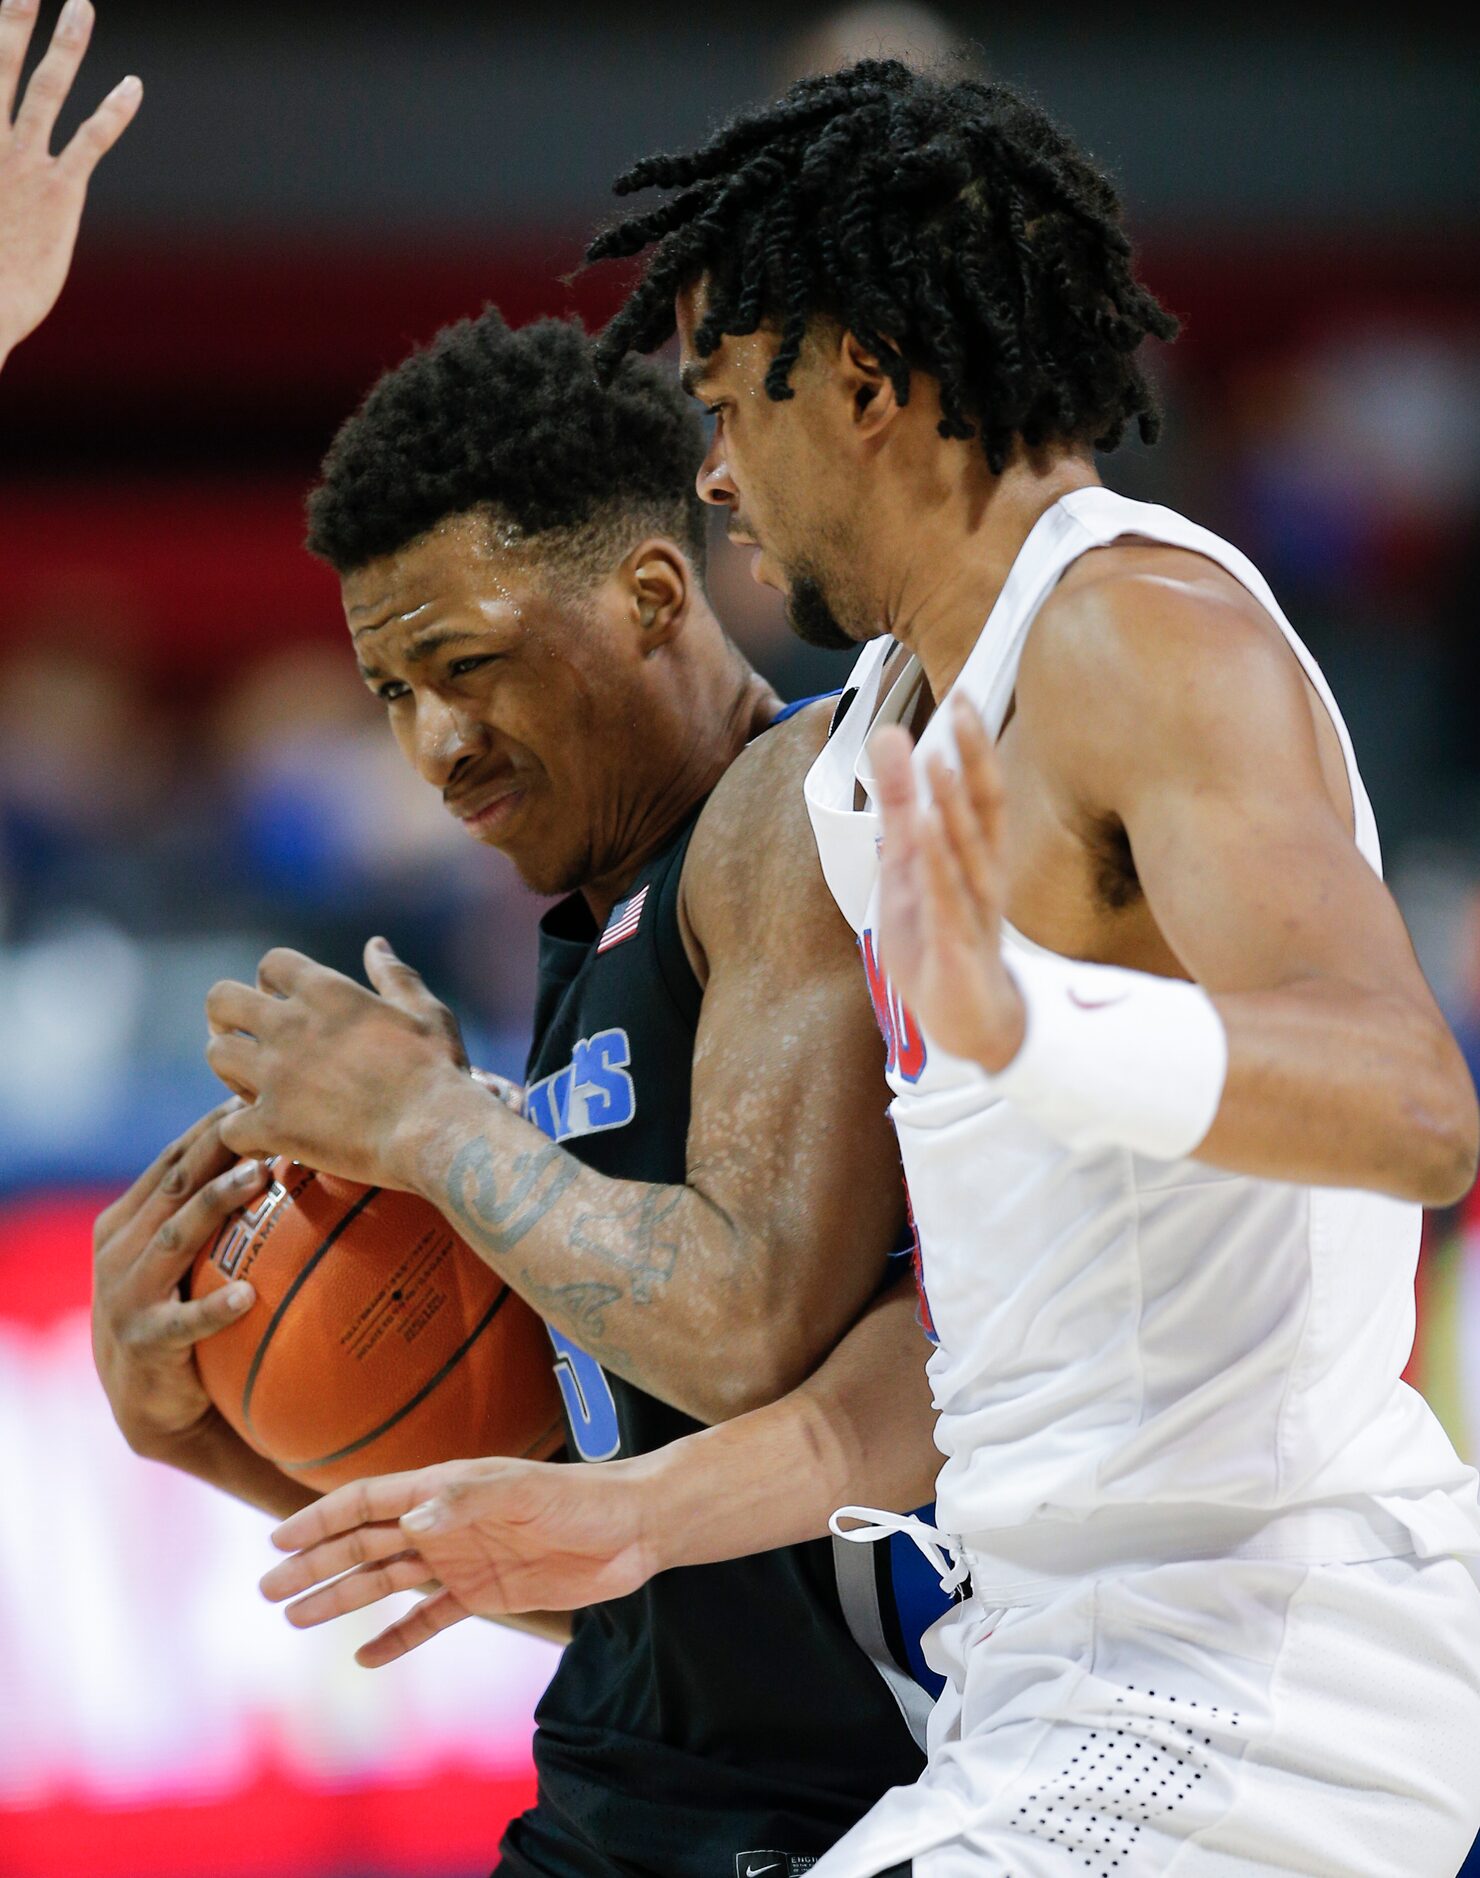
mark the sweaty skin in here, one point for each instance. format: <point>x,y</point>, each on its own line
<point>719,1293</point>
<point>1195,822</point>
<point>778,1236</point>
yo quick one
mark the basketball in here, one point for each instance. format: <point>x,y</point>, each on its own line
<point>378,1341</point>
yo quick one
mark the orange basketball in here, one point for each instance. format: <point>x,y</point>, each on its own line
<point>378,1341</point>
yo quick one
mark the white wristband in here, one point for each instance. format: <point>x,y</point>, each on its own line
<point>1115,1058</point>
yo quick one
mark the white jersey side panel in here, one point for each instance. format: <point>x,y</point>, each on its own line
<point>1139,1359</point>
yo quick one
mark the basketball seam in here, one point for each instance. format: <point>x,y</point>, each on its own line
<point>340,1454</point>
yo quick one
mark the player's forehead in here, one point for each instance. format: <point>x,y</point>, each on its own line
<point>451,576</point>
<point>739,362</point>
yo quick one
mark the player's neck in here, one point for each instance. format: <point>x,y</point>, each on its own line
<point>961,550</point>
<point>725,705</point>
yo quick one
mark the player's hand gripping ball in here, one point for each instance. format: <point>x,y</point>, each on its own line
<point>378,1341</point>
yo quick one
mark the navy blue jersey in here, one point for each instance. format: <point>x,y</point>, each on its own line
<point>757,1706</point>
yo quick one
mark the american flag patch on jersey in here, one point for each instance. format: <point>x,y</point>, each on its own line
<point>623,922</point>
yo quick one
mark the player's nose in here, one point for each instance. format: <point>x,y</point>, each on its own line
<point>445,735</point>
<point>714,481</point>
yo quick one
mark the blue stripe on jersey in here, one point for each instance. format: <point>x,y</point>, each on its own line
<point>918,1600</point>
<point>790,710</point>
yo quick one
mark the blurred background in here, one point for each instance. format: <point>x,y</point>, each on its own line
<point>190,770</point>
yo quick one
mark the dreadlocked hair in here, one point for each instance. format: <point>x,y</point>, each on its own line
<point>514,425</point>
<point>949,225</point>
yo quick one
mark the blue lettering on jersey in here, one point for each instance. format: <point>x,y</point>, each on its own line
<point>592,1093</point>
<point>588,1399</point>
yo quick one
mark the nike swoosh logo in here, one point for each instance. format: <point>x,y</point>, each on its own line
<point>1096,1004</point>
<point>755,1871</point>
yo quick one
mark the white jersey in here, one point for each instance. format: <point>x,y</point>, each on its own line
<point>1136,1360</point>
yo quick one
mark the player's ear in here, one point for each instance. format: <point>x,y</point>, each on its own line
<point>657,583</point>
<point>870,391</point>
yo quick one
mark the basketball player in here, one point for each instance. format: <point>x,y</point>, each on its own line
<point>1168,1083</point>
<point>41,195</point>
<point>705,1191</point>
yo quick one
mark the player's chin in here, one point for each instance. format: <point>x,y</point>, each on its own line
<point>765,573</point>
<point>550,867</point>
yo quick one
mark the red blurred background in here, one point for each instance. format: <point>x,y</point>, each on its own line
<point>190,770</point>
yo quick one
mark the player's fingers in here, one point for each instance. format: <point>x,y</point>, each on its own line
<point>249,1134</point>
<point>360,1503</point>
<point>968,843</point>
<point>180,1323</point>
<point>981,772</point>
<point>17,22</point>
<point>163,1174</point>
<point>282,970</point>
<point>231,1005</point>
<point>890,749</point>
<point>511,1094</point>
<point>361,1546</point>
<point>171,1252</point>
<point>52,79</point>
<point>96,135</point>
<point>432,1616</point>
<point>205,1159</point>
<point>948,911</point>
<point>367,1584</point>
<point>402,985</point>
<point>899,810</point>
<point>235,1060</point>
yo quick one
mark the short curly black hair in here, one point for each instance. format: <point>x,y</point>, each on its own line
<point>516,425</point>
<point>947,223</point>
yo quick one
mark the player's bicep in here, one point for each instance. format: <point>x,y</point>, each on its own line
<point>1247,862</point>
<point>789,1135</point>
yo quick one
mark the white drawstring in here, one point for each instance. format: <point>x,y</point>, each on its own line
<point>942,1551</point>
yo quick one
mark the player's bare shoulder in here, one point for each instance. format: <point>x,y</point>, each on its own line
<point>751,870</point>
<point>1158,636</point>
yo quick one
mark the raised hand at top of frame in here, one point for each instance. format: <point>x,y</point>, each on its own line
<point>41,194</point>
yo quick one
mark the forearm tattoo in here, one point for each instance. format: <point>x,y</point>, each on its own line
<point>618,1253</point>
<point>497,1204</point>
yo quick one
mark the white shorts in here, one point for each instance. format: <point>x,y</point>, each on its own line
<point>1204,1720</point>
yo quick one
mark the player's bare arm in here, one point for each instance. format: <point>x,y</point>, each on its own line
<point>1209,757</point>
<point>775,1242</point>
<point>500,1535</point>
<point>41,195</point>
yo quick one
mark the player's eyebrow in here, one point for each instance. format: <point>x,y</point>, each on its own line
<point>424,647</point>
<point>693,376</point>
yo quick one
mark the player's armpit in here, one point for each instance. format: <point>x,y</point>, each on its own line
<point>1203,747</point>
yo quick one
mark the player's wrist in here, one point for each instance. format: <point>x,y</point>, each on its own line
<point>670,1510</point>
<point>997,1037</point>
<point>1116,1058</point>
<point>444,1114</point>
